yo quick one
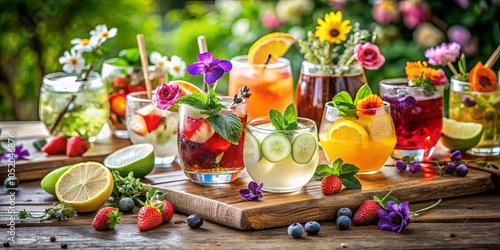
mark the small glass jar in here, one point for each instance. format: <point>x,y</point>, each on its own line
<point>78,107</point>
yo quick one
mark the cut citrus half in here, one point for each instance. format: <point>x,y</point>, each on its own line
<point>186,88</point>
<point>276,44</point>
<point>86,186</point>
<point>138,158</point>
<point>347,130</point>
<point>461,135</point>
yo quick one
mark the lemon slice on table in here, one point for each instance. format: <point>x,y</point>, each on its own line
<point>86,186</point>
<point>186,88</point>
<point>460,135</point>
<point>347,130</point>
<point>276,44</point>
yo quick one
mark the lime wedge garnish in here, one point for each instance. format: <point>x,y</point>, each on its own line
<point>461,135</point>
<point>138,158</point>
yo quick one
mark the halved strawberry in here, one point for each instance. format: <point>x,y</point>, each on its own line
<point>151,119</point>
<point>117,104</point>
<point>216,144</point>
<point>120,82</point>
<point>136,88</point>
<point>197,129</point>
<point>138,125</point>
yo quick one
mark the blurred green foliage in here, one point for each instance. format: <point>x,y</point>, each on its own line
<point>35,33</point>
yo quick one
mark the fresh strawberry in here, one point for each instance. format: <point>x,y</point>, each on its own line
<point>149,217</point>
<point>197,129</point>
<point>151,119</point>
<point>217,144</point>
<point>56,146</point>
<point>76,146</point>
<point>136,88</point>
<point>367,212</point>
<point>106,218</point>
<point>120,82</point>
<point>138,125</point>
<point>331,185</point>
<point>169,211</point>
<point>118,104</point>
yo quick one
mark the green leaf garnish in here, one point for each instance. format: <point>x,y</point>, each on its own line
<point>363,92</point>
<point>285,121</point>
<point>344,103</point>
<point>382,200</point>
<point>345,171</point>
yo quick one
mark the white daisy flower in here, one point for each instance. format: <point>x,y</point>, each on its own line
<point>72,61</point>
<point>177,67</point>
<point>160,62</point>
<point>101,33</point>
<point>82,45</point>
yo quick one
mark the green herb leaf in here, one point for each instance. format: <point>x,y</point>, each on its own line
<point>342,97</point>
<point>290,117</point>
<point>228,126</point>
<point>350,181</point>
<point>195,100</point>
<point>336,166</point>
<point>324,170</point>
<point>363,92</point>
<point>277,119</point>
<point>349,169</point>
<point>382,201</point>
<point>131,55</point>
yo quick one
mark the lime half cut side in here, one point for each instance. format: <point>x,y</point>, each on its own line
<point>276,147</point>
<point>252,150</point>
<point>138,158</point>
<point>303,148</point>
<point>461,135</point>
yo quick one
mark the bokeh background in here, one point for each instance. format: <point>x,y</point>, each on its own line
<point>34,34</point>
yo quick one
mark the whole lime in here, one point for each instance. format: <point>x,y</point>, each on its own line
<point>49,181</point>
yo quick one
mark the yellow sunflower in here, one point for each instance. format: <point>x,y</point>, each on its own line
<point>333,29</point>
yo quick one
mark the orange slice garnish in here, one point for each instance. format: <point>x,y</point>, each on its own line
<point>276,44</point>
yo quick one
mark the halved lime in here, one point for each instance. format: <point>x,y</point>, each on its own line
<point>138,158</point>
<point>252,150</point>
<point>303,148</point>
<point>276,147</point>
<point>461,135</point>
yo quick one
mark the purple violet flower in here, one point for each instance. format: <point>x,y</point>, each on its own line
<point>19,153</point>
<point>443,54</point>
<point>213,68</point>
<point>253,191</point>
<point>166,95</point>
<point>395,217</point>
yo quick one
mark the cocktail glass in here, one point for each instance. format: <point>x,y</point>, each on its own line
<point>284,160</point>
<point>148,124</point>
<point>418,117</point>
<point>271,85</point>
<point>205,156</point>
<point>367,142</point>
<point>479,107</point>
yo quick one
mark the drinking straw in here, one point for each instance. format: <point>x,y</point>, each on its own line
<point>202,47</point>
<point>493,58</point>
<point>144,62</point>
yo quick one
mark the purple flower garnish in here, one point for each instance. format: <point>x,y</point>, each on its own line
<point>213,68</point>
<point>443,54</point>
<point>253,191</point>
<point>166,95</point>
<point>456,156</point>
<point>395,217</point>
<point>19,153</point>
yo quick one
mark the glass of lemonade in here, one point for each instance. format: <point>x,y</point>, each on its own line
<point>87,113</point>
<point>478,107</point>
<point>284,160</point>
<point>271,85</point>
<point>148,124</point>
<point>205,156</point>
<point>366,142</point>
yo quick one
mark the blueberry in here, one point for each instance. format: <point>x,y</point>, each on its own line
<point>450,168</point>
<point>295,230</point>
<point>343,222</point>
<point>462,170</point>
<point>456,156</point>
<point>126,204</point>
<point>11,183</point>
<point>400,165</point>
<point>345,211</point>
<point>468,102</point>
<point>312,227</point>
<point>415,167</point>
<point>194,221</point>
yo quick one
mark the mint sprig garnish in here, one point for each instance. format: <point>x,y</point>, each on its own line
<point>285,121</point>
<point>345,171</point>
<point>344,103</point>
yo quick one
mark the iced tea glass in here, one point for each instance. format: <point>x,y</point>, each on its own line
<point>284,160</point>
<point>148,124</point>
<point>204,155</point>
<point>418,117</point>
<point>366,142</point>
<point>479,107</point>
<point>271,85</point>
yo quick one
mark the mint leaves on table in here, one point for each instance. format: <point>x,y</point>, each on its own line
<point>58,212</point>
<point>344,103</point>
<point>345,171</point>
<point>285,121</point>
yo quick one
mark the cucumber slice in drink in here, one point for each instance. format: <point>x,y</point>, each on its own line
<point>276,147</point>
<point>303,148</point>
<point>252,150</point>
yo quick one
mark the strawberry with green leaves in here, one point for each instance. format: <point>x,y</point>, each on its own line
<point>149,217</point>
<point>76,146</point>
<point>336,175</point>
<point>106,218</point>
<point>368,211</point>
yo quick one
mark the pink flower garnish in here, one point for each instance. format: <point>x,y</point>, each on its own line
<point>385,12</point>
<point>443,54</point>
<point>166,95</point>
<point>369,56</point>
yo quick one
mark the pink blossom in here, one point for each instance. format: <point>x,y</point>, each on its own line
<point>270,20</point>
<point>443,54</point>
<point>414,12</point>
<point>459,34</point>
<point>462,3</point>
<point>385,12</point>
<point>166,95</point>
<point>439,80</point>
<point>338,4</point>
<point>369,56</point>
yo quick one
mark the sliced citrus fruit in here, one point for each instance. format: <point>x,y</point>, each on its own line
<point>186,88</point>
<point>304,147</point>
<point>461,135</point>
<point>138,158</point>
<point>86,186</point>
<point>276,44</point>
<point>347,130</point>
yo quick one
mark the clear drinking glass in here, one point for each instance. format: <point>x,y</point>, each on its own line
<point>204,155</point>
<point>148,124</point>
<point>271,85</point>
<point>284,160</point>
<point>366,142</point>
<point>418,117</point>
<point>479,107</point>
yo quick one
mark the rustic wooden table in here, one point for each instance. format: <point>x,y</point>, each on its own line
<point>471,221</point>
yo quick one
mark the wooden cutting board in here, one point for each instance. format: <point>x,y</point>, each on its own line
<point>222,204</point>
